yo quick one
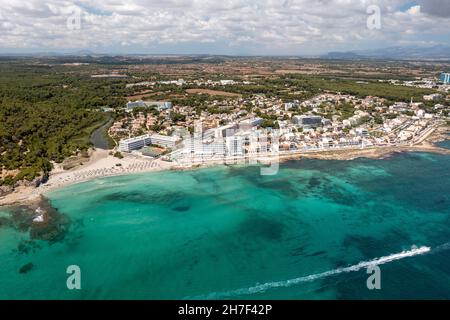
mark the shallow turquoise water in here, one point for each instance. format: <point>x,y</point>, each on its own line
<point>219,232</point>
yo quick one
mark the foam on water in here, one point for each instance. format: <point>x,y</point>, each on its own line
<point>415,251</point>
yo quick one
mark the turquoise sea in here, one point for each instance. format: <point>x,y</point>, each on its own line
<point>230,233</point>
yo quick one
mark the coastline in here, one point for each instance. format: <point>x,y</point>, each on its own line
<point>101,164</point>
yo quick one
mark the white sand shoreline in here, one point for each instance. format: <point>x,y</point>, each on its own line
<point>102,164</point>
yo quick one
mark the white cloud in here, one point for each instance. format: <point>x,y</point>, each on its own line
<point>246,26</point>
<point>415,10</point>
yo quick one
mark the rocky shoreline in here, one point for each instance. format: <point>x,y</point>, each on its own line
<point>5,190</point>
<point>39,219</point>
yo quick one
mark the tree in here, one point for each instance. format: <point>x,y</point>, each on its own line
<point>118,155</point>
<point>177,117</point>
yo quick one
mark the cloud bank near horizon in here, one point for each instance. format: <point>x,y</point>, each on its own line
<point>219,27</point>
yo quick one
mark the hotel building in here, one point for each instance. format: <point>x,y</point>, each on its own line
<point>165,141</point>
<point>136,143</point>
<point>235,146</point>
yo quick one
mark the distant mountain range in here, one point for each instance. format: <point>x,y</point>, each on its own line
<point>80,53</point>
<point>438,52</point>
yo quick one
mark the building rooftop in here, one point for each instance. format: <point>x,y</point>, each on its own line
<point>131,140</point>
<point>169,138</point>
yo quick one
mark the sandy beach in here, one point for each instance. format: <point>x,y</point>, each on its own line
<point>102,164</point>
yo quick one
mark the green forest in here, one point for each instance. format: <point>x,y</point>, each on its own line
<point>47,114</point>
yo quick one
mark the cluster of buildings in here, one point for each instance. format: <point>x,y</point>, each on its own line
<point>182,82</point>
<point>235,139</point>
<point>132,126</point>
<point>241,126</point>
<point>441,83</point>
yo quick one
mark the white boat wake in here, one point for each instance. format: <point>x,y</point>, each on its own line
<point>415,251</point>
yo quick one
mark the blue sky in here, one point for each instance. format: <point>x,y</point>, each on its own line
<point>236,27</point>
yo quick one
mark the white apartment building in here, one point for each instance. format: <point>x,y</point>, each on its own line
<point>165,141</point>
<point>136,143</point>
<point>234,146</point>
<point>198,147</point>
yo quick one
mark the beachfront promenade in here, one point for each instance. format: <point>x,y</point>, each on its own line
<point>103,167</point>
<point>138,166</point>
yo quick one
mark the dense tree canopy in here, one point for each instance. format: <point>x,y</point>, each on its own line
<point>46,115</point>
